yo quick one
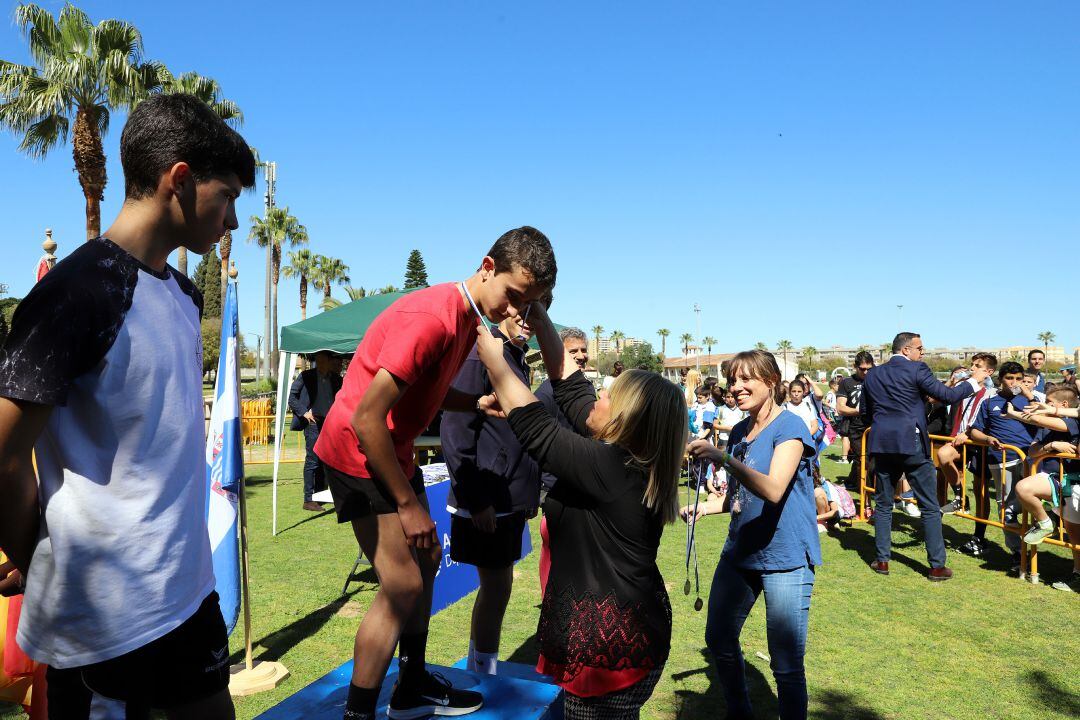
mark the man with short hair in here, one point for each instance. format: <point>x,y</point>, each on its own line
<point>310,398</point>
<point>616,371</point>
<point>398,379</point>
<point>853,423</point>
<point>103,371</point>
<point>576,343</point>
<point>1036,360</point>
<point>899,443</point>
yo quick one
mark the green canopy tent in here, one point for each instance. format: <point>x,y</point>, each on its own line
<point>339,330</point>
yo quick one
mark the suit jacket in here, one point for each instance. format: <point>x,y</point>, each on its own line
<point>893,405</point>
<point>302,395</point>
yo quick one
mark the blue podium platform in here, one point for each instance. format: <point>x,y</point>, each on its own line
<point>517,693</point>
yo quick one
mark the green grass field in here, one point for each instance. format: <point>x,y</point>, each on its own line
<point>981,646</point>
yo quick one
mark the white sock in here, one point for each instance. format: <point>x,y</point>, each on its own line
<point>470,659</point>
<point>1047,523</point>
<point>486,663</point>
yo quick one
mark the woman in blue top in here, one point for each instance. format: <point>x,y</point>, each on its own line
<point>772,543</point>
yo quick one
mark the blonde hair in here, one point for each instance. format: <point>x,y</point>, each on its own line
<point>693,379</point>
<point>648,420</point>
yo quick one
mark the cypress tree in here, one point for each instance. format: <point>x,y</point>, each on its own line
<point>208,280</point>
<point>415,271</point>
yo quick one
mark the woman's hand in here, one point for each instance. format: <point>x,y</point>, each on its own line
<point>489,348</point>
<point>705,450</point>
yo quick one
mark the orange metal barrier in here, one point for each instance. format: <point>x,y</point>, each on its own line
<point>1029,554</point>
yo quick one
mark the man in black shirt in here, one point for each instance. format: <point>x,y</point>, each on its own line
<point>849,406</point>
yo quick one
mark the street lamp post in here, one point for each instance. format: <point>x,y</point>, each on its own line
<point>270,170</point>
<point>899,318</point>
<point>697,356</point>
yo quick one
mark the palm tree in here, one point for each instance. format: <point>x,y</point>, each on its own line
<point>274,231</point>
<point>386,290</point>
<point>761,346</point>
<point>617,336</point>
<point>329,270</point>
<point>709,342</point>
<point>882,350</point>
<point>354,293</point>
<point>784,346</point>
<point>1047,338</point>
<point>596,330</point>
<point>83,72</point>
<point>686,339</point>
<point>663,333</point>
<point>301,265</point>
<point>809,352</point>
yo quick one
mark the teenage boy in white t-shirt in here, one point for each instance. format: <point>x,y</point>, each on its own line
<point>101,375</point>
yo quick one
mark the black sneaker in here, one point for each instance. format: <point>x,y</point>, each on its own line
<point>974,547</point>
<point>432,696</point>
<point>954,506</point>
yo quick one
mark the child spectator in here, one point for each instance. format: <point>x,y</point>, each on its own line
<point>1055,435</point>
<point>995,427</point>
<point>800,404</point>
<point>702,412</point>
<point>1030,387</point>
<point>829,402</point>
<point>962,415</point>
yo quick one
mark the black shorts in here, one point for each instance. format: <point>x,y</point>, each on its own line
<point>487,550</point>
<point>188,664</point>
<point>357,497</point>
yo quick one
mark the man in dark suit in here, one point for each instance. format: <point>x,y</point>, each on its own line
<point>893,404</point>
<point>310,398</point>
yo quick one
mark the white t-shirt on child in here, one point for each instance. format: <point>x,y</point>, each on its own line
<point>804,410</point>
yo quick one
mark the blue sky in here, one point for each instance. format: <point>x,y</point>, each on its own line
<point>797,169</point>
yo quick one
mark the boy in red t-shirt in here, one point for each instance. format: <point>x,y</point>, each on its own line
<point>397,381</point>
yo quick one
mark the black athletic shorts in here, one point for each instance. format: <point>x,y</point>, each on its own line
<point>188,664</point>
<point>487,550</point>
<point>357,497</point>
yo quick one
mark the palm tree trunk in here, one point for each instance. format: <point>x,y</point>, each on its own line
<point>663,346</point>
<point>225,246</point>
<point>181,260</point>
<point>326,289</point>
<point>90,165</point>
<point>303,297</point>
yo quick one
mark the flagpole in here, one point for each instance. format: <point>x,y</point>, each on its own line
<point>251,677</point>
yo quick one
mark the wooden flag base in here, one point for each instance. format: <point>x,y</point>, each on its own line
<point>261,676</point>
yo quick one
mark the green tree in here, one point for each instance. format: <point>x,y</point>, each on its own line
<point>211,342</point>
<point>596,331</point>
<point>761,346</point>
<point>207,281</point>
<point>663,333</point>
<point>3,329</point>
<point>686,339</point>
<point>808,354</point>
<point>386,290</point>
<point>784,347</point>
<point>617,336</point>
<point>329,270</point>
<point>709,342</point>
<point>415,271</point>
<point>641,357</point>
<point>276,230</point>
<point>301,266</point>
<point>1046,338</point>
<point>81,73</point>
<point>354,293</point>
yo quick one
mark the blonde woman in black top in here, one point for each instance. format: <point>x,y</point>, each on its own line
<point>605,621</point>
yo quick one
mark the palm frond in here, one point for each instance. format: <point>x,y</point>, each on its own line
<point>116,36</point>
<point>40,29</point>
<point>75,30</point>
<point>329,303</point>
<point>42,135</point>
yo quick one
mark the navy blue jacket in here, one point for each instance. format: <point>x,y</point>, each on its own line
<point>302,395</point>
<point>893,405</point>
<point>487,465</point>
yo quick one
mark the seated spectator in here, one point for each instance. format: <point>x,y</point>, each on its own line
<point>1055,435</point>
<point>962,415</point>
<point>996,428</point>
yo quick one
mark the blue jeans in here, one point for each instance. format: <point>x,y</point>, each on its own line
<point>787,611</point>
<point>921,475</point>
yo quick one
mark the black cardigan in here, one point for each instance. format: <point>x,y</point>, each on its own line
<point>605,605</point>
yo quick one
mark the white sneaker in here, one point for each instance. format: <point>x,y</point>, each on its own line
<point>822,529</point>
<point>911,509</point>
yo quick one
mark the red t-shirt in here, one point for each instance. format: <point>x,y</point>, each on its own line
<point>422,339</point>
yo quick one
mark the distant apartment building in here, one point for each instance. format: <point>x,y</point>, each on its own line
<point>607,345</point>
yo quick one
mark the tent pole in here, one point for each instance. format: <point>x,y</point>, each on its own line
<point>284,381</point>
